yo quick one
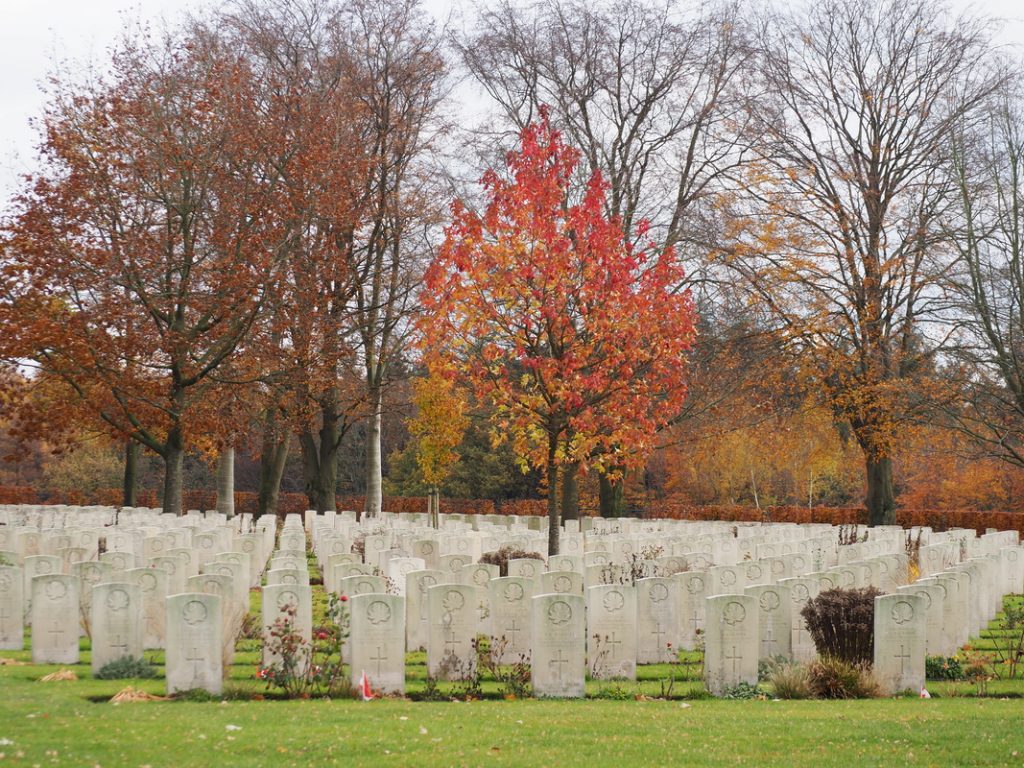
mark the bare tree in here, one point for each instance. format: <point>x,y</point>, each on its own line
<point>863,97</point>
<point>396,56</point>
<point>989,281</point>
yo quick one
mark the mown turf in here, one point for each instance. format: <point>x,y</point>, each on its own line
<point>53,724</point>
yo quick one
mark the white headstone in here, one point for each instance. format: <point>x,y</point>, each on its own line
<point>55,619</point>
<point>378,641</point>
<point>558,662</point>
<point>193,658</point>
<point>116,622</point>
<point>731,642</point>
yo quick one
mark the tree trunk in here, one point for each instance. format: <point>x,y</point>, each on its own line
<point>612,497</point>
<point>174,472</point>
<point>273,458</point>
<point>571,492</point>
<point>320,461</point>
<point>881,498</point>
<point>434,506</point>
<point>132,451</point>
<point>226,482</point>
<point>374,479</point>
<point>553,524</point>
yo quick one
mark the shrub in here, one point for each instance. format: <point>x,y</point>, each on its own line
<point>513,679</point>
<point>842,623</point>
<point>791,681</point>
<point>834,678</point>
<point>125,668</point>
<point>501,557</point>
<point>309,668</point>
<point>943,668</point>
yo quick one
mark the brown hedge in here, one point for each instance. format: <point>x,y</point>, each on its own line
<point>297,502</point>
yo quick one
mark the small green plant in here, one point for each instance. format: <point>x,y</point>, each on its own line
<point>615,690</point>
<point>744,691</point>
<point>943,668</point>
<point>430,692</point>
<point>125,668</point>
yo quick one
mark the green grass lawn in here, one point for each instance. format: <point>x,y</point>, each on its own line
<point>57,724</point>
<point>622,724</point>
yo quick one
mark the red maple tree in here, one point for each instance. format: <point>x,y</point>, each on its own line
<point>539,305</point>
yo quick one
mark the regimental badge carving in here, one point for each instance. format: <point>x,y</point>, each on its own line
<point>378,612</point>
<point>902,612</point>
<point>658,593</point>
<point>562,584</point>
<point>5,582</point>
<point>513,593</point>
<point>287,600</point>
<point>194,612</point>
<point>695,585</point>
<point>800,593</point>
<point>453,601</point>
<point>927,598</point>
<point>481,576</point>
<point>55,590</point>
<point>614,601</point>
<point>728,578</point>
<point>528,570</point>
<point>769,601</point>
<point>734,614</point>
<point>559,613</point>
<point>117,600</point>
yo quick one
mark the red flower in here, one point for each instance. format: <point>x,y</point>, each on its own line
<point>344,598</point>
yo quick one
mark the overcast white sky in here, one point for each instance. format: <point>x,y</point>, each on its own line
<point>35,32</point>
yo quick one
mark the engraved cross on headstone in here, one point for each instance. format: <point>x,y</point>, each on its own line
<point>769,640</point>
<point>612,642</point>
<point>450,642</point>
<point>57,631</point>
<point>557,663</point>
<point>513,629</point>
<point>381,656</point>
<point>903,656</point>
<point>734,659</point>
<point>196,658</point>
<point>119,642</point>
<point>658,634</point>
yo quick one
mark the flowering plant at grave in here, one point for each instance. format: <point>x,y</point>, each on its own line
<point>308,668</point>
